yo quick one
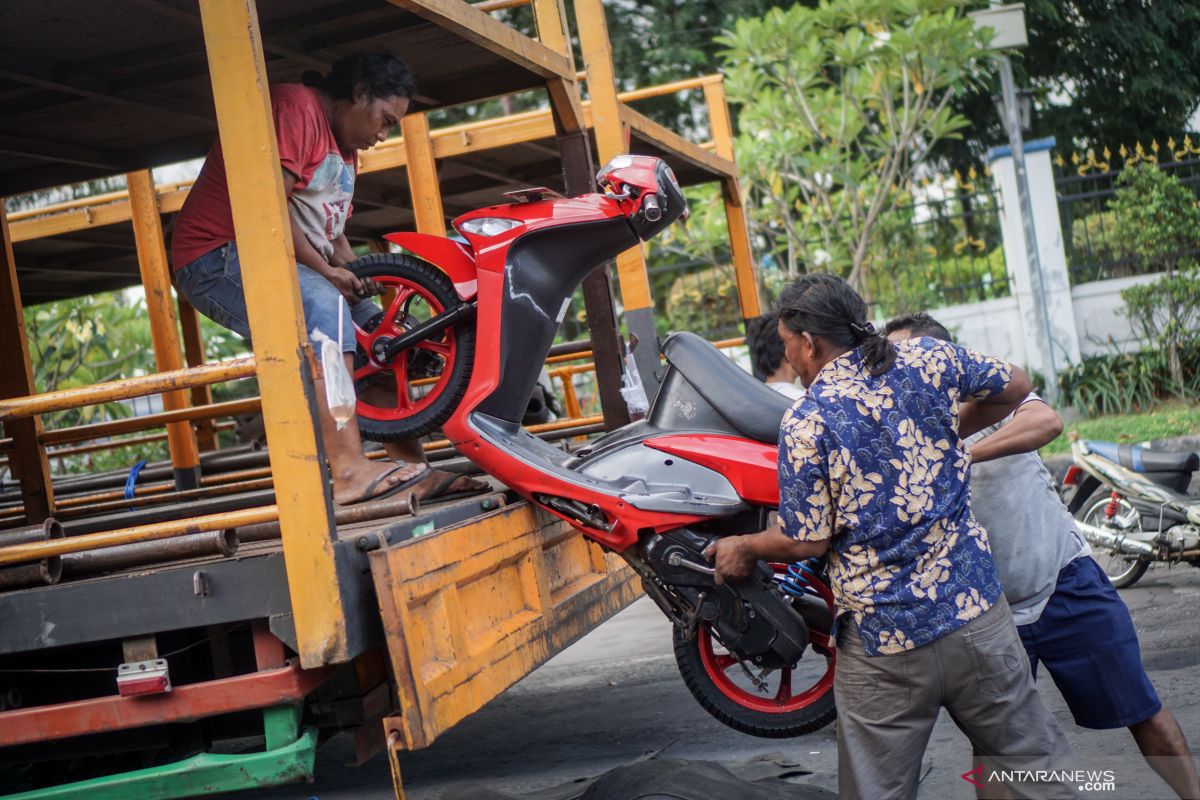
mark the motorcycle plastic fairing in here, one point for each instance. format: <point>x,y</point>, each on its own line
<point>751,467</point>
<point>635,501</point>
<point>451,257</point>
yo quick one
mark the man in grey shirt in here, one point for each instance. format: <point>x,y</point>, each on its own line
<point>1068,614</point>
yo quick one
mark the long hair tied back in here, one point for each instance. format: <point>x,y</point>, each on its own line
<point>377,74</point>
<point>826,306</point>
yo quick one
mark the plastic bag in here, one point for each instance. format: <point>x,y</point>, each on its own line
<point>339,386</point>
<point>632,390</point>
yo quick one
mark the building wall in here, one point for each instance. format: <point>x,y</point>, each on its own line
<point>994,326</point>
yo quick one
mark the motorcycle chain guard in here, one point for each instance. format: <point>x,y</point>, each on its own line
<point>751,617</point>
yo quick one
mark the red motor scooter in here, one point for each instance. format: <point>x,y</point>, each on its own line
<point>460,346</point>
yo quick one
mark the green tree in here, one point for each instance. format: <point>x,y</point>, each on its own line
<point>1103,73</point>
<point>1158,220</point>
<point>660,41</point>
<point>98,338</point>
<point>838,106</point>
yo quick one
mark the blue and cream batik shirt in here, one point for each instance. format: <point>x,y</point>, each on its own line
<point>876,465</point>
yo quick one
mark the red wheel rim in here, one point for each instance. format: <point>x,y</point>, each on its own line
<point>786,698</point>
<point>406,292</point>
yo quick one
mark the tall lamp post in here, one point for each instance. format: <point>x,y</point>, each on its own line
<point>1008,23</point>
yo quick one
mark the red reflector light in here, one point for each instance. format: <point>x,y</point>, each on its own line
<point>1072,476</point>
<point>143,677</point>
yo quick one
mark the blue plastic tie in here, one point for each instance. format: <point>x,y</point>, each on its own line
<point>130,481</point>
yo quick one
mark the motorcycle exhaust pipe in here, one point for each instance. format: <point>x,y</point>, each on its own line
<point>1115,541</point>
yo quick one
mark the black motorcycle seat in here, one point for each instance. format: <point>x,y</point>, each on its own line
<point>748,405</point>
<point>1143,459</point>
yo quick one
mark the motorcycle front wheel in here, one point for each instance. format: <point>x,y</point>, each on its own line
<point>1123,570</point>
<point>772,704</point>
<point>417,390</point>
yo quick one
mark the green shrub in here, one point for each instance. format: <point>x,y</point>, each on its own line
<point>1157,216</point>
<point>1124,383</point>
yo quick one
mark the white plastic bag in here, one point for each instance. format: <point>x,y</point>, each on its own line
<point>339,386</point>
<point>632,390</point>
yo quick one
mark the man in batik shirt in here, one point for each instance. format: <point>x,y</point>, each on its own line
<point>872,468</point>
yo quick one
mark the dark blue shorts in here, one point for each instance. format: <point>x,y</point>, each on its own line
<point>1085,638</point>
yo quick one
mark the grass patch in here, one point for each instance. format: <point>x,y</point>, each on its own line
<point>1164,422</point>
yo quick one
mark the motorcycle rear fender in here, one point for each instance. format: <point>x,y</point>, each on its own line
<point>451,257</point>
<point>751,467</point>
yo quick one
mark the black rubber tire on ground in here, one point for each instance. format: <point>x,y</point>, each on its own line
<point>1122,572</point>
<point>813,717</point>
<point>433,285</point>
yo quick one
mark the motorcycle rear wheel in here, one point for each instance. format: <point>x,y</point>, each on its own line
<point>419,389</point>
<point>1122,570</point>
<point>797,701</point>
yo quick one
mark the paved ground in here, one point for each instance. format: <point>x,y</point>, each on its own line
<point>616,695</point>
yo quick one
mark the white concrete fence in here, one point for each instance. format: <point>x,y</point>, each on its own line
<point>1085,319</point>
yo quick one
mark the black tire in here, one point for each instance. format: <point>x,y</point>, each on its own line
<point>435,289</point>
<point>803,712</point>
<point>1122,570</point>
<point>765,725</point>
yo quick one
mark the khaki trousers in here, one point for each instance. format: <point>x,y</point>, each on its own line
<point>887,706</point>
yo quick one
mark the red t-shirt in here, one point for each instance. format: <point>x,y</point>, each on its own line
<point>320,200</point>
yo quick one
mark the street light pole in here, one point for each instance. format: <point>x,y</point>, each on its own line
<point>1007,24</point>
<point>1016,141</point>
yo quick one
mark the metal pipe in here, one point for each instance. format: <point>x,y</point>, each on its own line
<point>45,572</point>
<point>32,551</point>
<point>1115,541</point>
<point>50,529</point>
<point>176,512</point>
<point>240,457</point>
<point>163,498</point>
<point>126,388</point>
<point>210,543</point>
<point>76,501</point>
<point>81,433</point>
<point>40,573</point>
<point>347,515</point>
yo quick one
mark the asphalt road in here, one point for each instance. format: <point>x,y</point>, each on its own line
<point>616,695</point>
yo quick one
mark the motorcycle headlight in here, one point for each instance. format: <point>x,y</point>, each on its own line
<point>489,226</point>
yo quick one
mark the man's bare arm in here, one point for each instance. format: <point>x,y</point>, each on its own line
<point>734,556</point>
<point>343,253</point>
<point>1034,425</point>
<point>345,281</point>
<point>990,410</point>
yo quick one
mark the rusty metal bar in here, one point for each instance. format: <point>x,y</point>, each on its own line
<point>32,551</point>
<point>193,352</point>
<point>27,460</point>
<point>81,433</point>
<point>223,542</point>
<point>186,703</point>
<point>349,515</point>
<point>50,529</point>
<point>163,498</point>
<point>126,388</point>
<point>45,572</point>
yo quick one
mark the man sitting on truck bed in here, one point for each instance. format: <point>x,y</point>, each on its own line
<point>320,126</point>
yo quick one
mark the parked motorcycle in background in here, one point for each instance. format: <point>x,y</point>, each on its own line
<point>1133,508</point>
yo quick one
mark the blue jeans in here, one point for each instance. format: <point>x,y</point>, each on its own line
<point>213,285</point>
